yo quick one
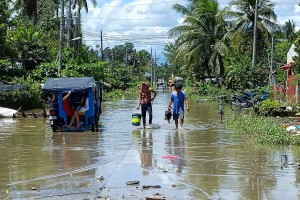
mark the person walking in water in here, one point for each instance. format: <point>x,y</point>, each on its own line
<point>145,102</point>
<point>178,97</point>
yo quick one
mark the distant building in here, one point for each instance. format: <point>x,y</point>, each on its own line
<point>291,53</point>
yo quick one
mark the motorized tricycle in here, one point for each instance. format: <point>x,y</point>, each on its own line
<point>59,87</point>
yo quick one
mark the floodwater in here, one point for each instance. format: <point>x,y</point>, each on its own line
<point>205,160</point>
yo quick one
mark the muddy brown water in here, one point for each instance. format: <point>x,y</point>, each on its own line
<point>206,160</point>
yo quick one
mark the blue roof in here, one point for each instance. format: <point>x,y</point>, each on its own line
<point>69,83</point>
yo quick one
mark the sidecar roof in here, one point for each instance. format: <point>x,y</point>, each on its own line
<point>68,83</point>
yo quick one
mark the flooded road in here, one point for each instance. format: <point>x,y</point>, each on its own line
<point>203,161</point>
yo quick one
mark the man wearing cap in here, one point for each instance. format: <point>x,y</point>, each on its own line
<point>178,97</point>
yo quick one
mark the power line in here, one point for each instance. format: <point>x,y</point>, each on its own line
<point>139,18</point>
<point>144,4</point>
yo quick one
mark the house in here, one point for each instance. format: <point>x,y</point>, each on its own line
<point>290,89</point>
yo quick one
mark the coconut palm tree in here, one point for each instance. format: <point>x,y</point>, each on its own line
<point>30,7</point>
<point>200,37</point>
<point>289,30</point>
<point>83,4</point>
<point>241,15</point>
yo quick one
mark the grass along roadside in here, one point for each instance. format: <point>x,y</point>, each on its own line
<point>262,130</point>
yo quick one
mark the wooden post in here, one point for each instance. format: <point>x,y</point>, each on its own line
<point>296,93</point>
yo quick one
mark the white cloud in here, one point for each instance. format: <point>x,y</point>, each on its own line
<point>145,23</point>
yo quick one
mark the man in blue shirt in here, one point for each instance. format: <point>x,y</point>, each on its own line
<point>178,97</point>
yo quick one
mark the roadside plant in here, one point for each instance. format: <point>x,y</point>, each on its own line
<point>262,130</point>
<point>268,106</point>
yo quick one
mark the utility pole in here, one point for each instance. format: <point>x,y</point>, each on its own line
<point>154,68</point>
<point>113,61</point>
<point>151,69</point>
<point>76,22</point>
<point>255,35</point>
<point>69,23</point>
<point>102,56</point>
<point>61,38</point>
<point>271,82</point>
<point>126,57</point>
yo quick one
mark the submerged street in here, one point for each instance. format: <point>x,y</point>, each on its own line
<point>205,160</point>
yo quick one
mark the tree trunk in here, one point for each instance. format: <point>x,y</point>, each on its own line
<point>221,66</point>
<point>32,11</point>
<point>207,68</point>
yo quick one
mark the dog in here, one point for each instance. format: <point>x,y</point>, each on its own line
<point>168,115</point>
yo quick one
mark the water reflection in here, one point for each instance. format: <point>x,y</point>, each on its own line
<point>147,149</point>
<point>175,148</point>
<point>205,160</point>
<point>72,150</point>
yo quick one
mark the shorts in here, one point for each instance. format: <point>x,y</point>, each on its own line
<point>178,116</point>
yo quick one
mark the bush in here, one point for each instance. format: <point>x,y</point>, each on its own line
<point>263,130</point>
<point>113,95</point>
<point>269,105</point>
<point>20,98</point>
<point>27,99</point>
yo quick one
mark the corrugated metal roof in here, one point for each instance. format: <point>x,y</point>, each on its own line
<point>6,87</point>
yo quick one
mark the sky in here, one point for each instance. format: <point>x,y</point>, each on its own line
<point>145,23</point>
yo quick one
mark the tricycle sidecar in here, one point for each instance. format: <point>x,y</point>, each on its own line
<point>58,87</point>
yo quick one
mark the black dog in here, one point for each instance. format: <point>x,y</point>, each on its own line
<point>168,115</point>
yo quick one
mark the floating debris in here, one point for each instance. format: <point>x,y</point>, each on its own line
<point>34,188</point>
<point>171,157</point>
<point>155,198</point>
<point>132,182</point>
<point>100,178</point>
<point>151,186</point>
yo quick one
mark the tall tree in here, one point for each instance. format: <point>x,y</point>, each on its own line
<point>241,16</point>
<point>30,45</point>
<point>83,4</point>
<point>289,30</point>
<point>4,16</point>
<point>170,55</point>
<point>200,37</point>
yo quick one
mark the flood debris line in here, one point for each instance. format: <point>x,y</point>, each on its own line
<point>11,113</point>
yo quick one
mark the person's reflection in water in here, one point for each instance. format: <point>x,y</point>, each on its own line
<point>180,150</point>
<point>147,149</point>
<point>71,151</point>
<point>176,146</point>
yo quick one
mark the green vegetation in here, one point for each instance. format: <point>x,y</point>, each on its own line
<point>263,130</point>
<point>269,105</point>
